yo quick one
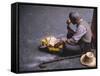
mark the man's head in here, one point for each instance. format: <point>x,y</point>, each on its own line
<point>74,17</point>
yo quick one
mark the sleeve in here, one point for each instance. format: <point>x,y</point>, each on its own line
<point>78,35</point>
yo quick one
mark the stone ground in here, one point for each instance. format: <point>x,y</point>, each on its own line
<point>33,61</point>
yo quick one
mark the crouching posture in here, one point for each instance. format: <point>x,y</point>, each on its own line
<point>80,39</point>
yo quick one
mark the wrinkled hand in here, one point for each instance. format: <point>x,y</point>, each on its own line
<point>58,44</point>
<point>61,42</point>
<point>64,39</point>
<point>68,22</point>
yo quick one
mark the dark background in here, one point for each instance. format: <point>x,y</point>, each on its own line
<point>36,22</point>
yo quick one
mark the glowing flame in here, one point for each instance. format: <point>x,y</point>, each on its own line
<point>52,40</point>
<point>50,43</point>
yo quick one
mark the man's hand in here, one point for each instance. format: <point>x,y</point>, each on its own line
<point>57,44</point>
<point>64,39</point>
<point>68,22</point>
<point>61,42</point>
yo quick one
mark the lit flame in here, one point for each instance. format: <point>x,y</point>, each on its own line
<point>52,40</point>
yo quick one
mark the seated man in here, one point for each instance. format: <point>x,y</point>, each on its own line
<point>81,38</point>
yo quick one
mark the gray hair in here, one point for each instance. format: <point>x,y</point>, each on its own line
<point>74,15</point>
